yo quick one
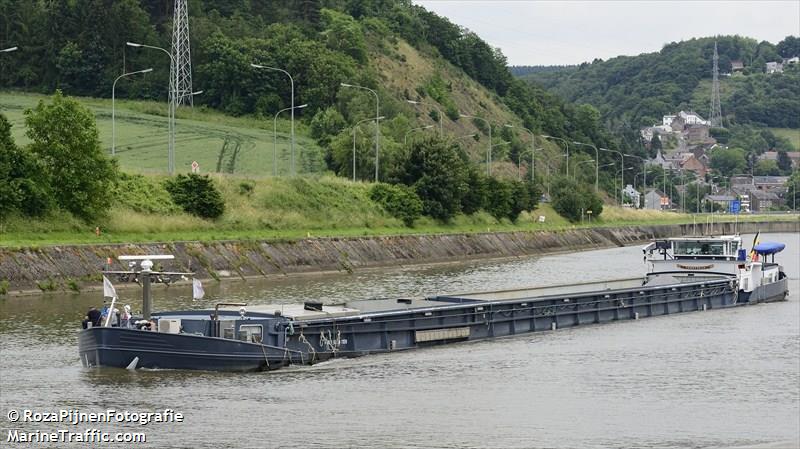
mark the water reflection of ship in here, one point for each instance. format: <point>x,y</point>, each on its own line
<point>685,274</point>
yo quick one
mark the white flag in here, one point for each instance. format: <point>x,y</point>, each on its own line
<point>108,289</point>
<point>197,289</point>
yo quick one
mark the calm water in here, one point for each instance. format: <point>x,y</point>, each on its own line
<point>715,379</point>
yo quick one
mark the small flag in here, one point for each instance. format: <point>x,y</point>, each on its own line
<point>108,289</point>
<point>197,289</point>
<point>753,254</point>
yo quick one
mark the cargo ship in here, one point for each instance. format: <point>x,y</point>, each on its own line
<point>688,274</point>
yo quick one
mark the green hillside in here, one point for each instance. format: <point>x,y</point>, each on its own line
<point>640,89</point>
<point>792,135</point>
<point>217,142</point>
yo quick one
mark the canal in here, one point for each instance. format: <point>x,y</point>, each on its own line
<point>722,378</point>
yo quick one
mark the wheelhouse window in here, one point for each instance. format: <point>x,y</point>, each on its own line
<point>699,248</point>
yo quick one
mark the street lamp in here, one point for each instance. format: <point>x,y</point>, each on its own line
<point>377,123</point>
<point>621,169</point>
<point>566,144</point>
<point>275,140</point>
<point>533,146</point>
<point>9,50</point>
<point>438,111</point>
<point>596,164</point>
<point>113,107</point>
<point>171,114</point>
<point>291,82</point>
<point>405,137</point>
<point>489,151</point>
<point>465,136</point>
<point>355,127</point>
<point>575,168</point>
<point>644,168</point>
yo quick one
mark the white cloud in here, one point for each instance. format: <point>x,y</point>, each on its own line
<point>571,32</point>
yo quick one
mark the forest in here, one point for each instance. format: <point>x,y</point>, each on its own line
<point>640,89</point>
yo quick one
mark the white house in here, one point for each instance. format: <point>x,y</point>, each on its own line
<point>774,67</point>
<point>692,118</point>
<point>667,120</point>
<point>633,194</point>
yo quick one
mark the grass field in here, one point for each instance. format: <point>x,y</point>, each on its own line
<point>792,134</point>
<point>217,142</point>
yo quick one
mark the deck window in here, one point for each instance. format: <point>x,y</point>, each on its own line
<point>251,333</point>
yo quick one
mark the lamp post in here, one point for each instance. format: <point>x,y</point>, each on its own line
<point>113,107</point>
<point>533,146</point>
<point>275,140</point>
<point>519,161</point>
<point>489,151</point>
<point>575,168</point>
<point>172,102</point>
<point>377,123</point>
<point>291,82</point>
<point>644,168</point>
<point>566,144</point>
<point>9,50</point>
<point>405,137</point>
<point>621,170</point>
<point>438,111</point>
<point>355,127</point>
<point>596,164</point>
<point>466,135</point>
<point>622,197</point>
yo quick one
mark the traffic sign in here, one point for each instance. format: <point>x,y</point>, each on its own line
<point>195,167</point>
<point>735,206</point>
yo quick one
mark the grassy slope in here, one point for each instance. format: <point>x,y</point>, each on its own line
<point>792,134</point>
<point>283,208</point>
<point>405,68</point>
<point>141,136</point>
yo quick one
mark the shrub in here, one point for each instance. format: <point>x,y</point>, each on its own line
<point>247,188</point>
<point>499,198</point>
<point>572,200</point>
<point>143,194</point>
<point>438,174</point>
<point>398,200</point>
<point>196,194</point>
<point>477,195</point>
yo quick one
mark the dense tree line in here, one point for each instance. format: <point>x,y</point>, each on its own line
<point>80,48</point>
<point>640,89</point>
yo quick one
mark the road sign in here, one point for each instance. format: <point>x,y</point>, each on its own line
<point>195,167</point>
<point>735,206</point>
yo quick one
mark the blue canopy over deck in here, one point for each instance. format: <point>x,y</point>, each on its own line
<point>768,248</point>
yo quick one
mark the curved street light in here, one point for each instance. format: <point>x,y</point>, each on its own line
<point>621,168</point>
<point>291,82</point>
<point>438,111</point>
<point>533,146</point>
<point>405,137</point>
<point>114,110</point>
<point>566,144</point>
<point>275,140</point>
<point>489,151</point>
<point>172,102</point>
<point>9,50</point>
<point>355,127</point>
<point>377,122</point>
<point>596,165</point>
<point>575,168</point>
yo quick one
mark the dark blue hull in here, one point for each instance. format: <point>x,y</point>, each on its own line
<point>457,319</point>
<point>118,347</point>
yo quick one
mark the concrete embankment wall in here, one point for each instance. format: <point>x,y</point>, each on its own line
<point>79,266</point>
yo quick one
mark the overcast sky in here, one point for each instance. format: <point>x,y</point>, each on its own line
<point>570,32</point>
